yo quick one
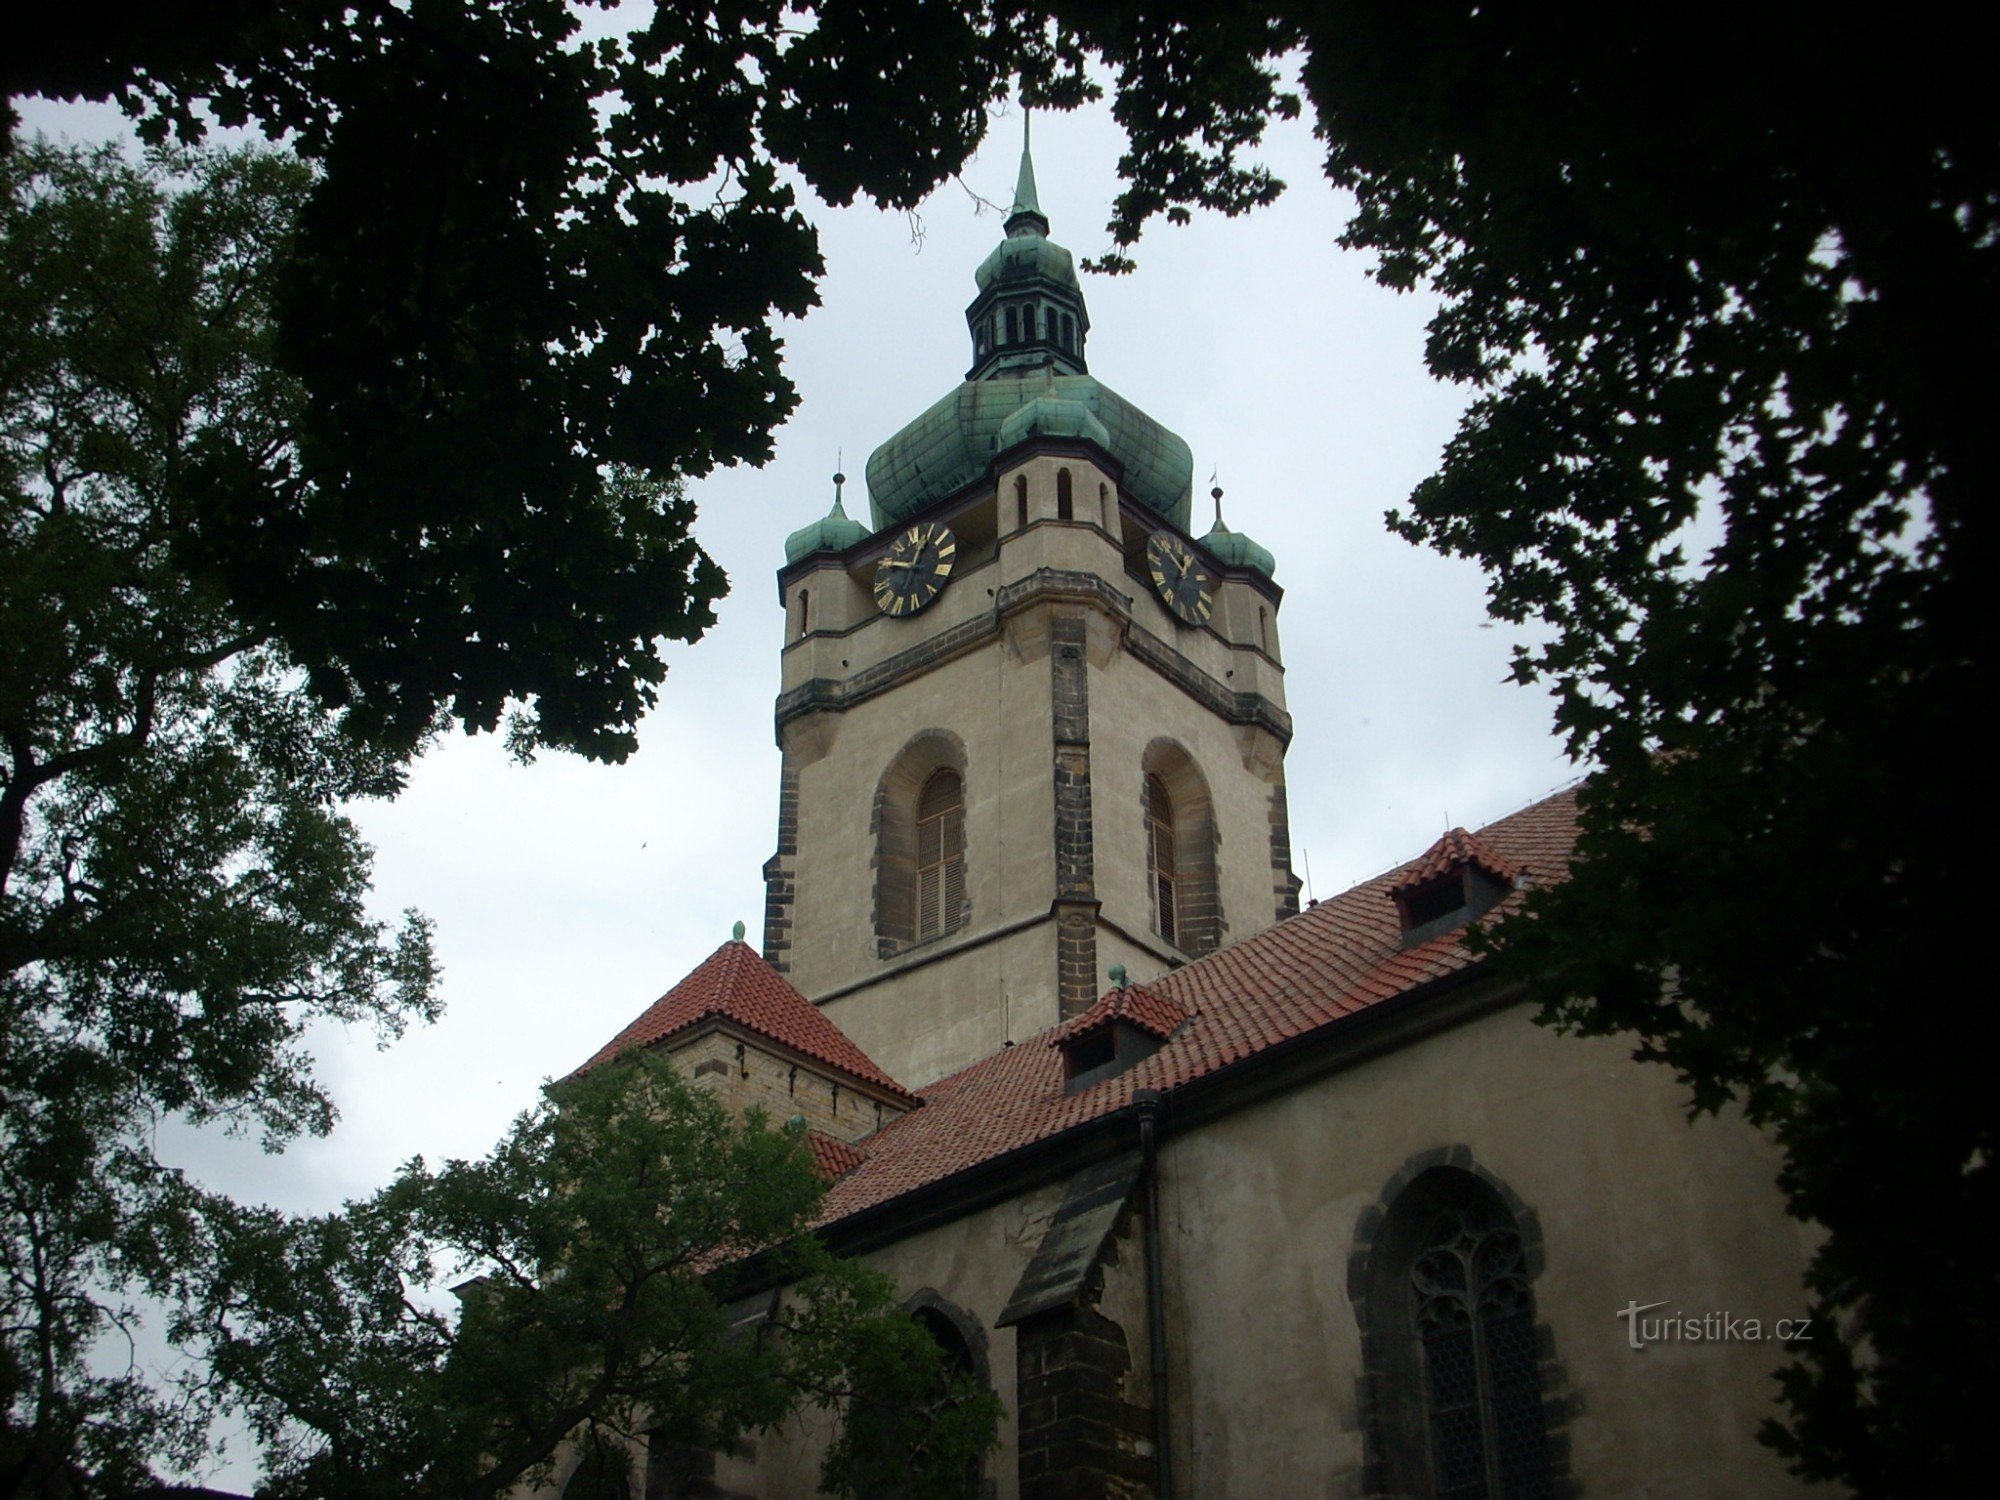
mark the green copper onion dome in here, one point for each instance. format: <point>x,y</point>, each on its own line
<point>832,532</point>
<point>1233,548</point>
<point>1028,378</point>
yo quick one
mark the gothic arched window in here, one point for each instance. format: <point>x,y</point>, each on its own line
<point>1065,501</point>
<point>1162,874</point>
<point>1475,1316</point>
<point>1449,1341</point>
<point>940,888</point>
<point>1182,892</point>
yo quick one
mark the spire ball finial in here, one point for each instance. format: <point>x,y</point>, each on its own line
<point>737,932</point>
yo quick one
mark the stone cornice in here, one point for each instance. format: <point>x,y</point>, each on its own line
<point>1044,586</point>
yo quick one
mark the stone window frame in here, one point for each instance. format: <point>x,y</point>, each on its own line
<point>1391,1396</point>
<point>1198,924</point>
<point>892,828</point>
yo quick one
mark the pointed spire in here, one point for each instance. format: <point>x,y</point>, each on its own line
<point>1027,201</point>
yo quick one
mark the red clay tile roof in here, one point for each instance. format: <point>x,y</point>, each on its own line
<point>1313,971</point>
<point>1455,848</point>
<point>833,1157</point>
<point>1135,1004</point>
<point>735,984</point>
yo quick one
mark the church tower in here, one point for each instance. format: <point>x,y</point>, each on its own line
<point>1031,727</point>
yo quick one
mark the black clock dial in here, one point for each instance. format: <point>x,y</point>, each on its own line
<point>1180,578</point>
<point>915,569</point>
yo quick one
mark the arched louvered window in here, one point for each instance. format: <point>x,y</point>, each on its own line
<point>1013,326</point>
<point>1162,861</point>
<point>1474,1314</point>
<point>1183,893</point>
<point>940,886</point>
<point>919,826</point>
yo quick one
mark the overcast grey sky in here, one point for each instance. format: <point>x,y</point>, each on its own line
<point>567,896</point>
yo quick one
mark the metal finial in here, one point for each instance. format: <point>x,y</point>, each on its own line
<point>1216,495</point>
<point>1118,975</point>
<point>737,932</point>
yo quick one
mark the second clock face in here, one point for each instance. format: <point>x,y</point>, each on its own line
<point>915,569</point>
<point>1180,578</point>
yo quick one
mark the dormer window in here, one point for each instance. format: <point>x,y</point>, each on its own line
<point>1459,880</point>
<point>1127,1025</point>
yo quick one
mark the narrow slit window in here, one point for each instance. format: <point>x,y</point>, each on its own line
<point>1065,504</point>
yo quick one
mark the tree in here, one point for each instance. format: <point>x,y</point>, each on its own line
<point>180,895</point>
<point>1729,451</point>
<point>615,1234</point>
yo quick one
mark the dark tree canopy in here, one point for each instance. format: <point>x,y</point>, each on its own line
<point>1722,301</point>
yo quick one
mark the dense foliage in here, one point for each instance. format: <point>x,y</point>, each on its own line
<point>180,896</point>
<point>605,1314</point>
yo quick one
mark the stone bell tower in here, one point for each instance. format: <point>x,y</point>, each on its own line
<point>1031,727</point>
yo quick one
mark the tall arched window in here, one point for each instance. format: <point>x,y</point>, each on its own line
<point>1020,501</point>
<point>919,828</point>
<point>1183,894</point>
<point>1442,1289</point>
<point>940,889</point>
<point>1162,873</point>
<point>1065,497</point>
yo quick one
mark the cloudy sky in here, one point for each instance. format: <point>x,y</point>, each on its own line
<point>567,896</point>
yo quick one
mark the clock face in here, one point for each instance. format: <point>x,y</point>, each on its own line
<point>915,568</point>
<point>1180,578</point>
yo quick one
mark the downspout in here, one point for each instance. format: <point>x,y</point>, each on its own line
<point>1149,1103</point>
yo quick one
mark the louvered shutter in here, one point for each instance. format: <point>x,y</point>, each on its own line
<point>940,855</point>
